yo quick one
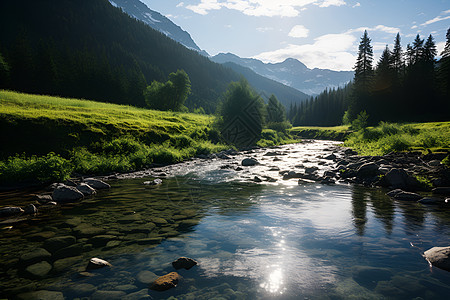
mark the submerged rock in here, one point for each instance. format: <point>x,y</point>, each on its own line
<point>97,183</point>
<point>431,200</point>
<point>146,277</point>
<point>156,181</point>
<point>407,196</point>
<point>41,295</point>
<point>38,270</point>
<point>10,211</point>
<point>439,257</point>
<point>56,243</point>
<point>184,262</point>
<point>35,256</point>
<point>64,193</point>
<point>110,295</point>
<point>165,282</point>
<point>97,263</point>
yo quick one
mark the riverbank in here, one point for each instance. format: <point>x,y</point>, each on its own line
<point>52,139</point>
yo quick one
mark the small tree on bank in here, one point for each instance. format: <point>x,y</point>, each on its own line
<point>170,95</point>
<point>242,115</point>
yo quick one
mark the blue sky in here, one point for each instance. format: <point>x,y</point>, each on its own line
<point>320,33</point>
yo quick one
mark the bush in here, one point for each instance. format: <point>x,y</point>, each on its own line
<point>44,169</point>
<point>361,121</point>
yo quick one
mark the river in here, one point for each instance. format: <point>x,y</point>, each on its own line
<point>275,239</point>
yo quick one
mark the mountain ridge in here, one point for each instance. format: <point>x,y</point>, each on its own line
<point>291,72</point>
<point>157,21</point>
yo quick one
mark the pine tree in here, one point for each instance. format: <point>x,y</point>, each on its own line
<point>397,56</point>
<point>417,48</point>
<point>363,76</point>
<point>363,67</point>
<point>443,77</point>
<point>429,50</point>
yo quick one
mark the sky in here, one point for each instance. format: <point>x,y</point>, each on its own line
<point>320,33</point>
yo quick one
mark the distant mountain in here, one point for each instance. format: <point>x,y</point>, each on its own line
<point>140,11</point>
<point>266,87</point>
<point>291,72</point>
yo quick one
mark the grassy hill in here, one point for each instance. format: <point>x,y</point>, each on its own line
<point>92,137</point>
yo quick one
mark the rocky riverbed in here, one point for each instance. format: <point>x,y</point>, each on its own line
<point>53,234</point>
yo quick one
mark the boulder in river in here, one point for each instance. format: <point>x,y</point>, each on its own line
<point>431,200</point>
<point>399,179</point>
<point>367,170</point>
<point>97,183</point>
<point>439,257</point>
<point>86,189</point>
<point>64,193</point>
<point>42,199</point>
<point>10,211</point>
<point>248,162</point>
<point>30,209</point>
<point>38,270</point>
<point>41,295</point>
<point>97,263</point>
<point>165,282</point>
<point>156,181</point>
<point>184,262</point>
<point>407,196</point>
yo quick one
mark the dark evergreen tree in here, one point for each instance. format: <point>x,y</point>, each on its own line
<point>276,113</point>
<point>443,75</point>
<point>363,80</point>
<point>4,72</point>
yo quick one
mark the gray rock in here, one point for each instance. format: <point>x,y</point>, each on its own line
<point>97,263</point>
<point>41,295</point>
<point>30,209</point>
<point>431,200</point>
<point>146,277</point>
<point>56,243</point>
<point>327,180</point>
<point>87,230</point>
<point>42,199</point>
<point>156,181</point>
<point>439,257</point>
<point>72,250</point>
<point>311,170</point>
<point>407,196</point>
<point>64,193</point>
<point>110,295</point>
<point>292,174</point>
<point>273,153</point>
<point>434,163</point>
<point>63,264</point>
<point>399,179</point>
<point>367,170</point>
<point>184,262</point>
<point>38,270</point>
<point>330,157</point>
<point>97,184</point>
<point>35,256</point>
<point>256,179</point>
<point>140,295</point>
<point>248,162</point>
<point>86,189</point>
<point>394,192</point>
<point>10,211</point>
<point>82,289</point>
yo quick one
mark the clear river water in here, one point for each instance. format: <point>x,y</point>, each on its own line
<point>253,240</point>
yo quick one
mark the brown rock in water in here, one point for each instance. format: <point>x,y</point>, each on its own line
<point>165,282</point>
<point>97,263</point>
<point>184,262</point>
<point>439,257</point>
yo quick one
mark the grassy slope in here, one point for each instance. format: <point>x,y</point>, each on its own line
<point>50,138</point>
<point>92,137</point>
<point>338,133</point>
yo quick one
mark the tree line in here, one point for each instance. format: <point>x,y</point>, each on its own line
<point>404,86</point>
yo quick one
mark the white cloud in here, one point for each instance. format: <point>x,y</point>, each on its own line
<point>446,12</point>
<point>267,8</point>
<point>414,27</point>
<point>328,3</point>
<point>264,29</point>
<point>299,31</point>
<point>381,28</point>
<point>356,5</point>
<point>331,51</point>
<point>440,47</point>
<point>437,19</point>
<point>181,4</point>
